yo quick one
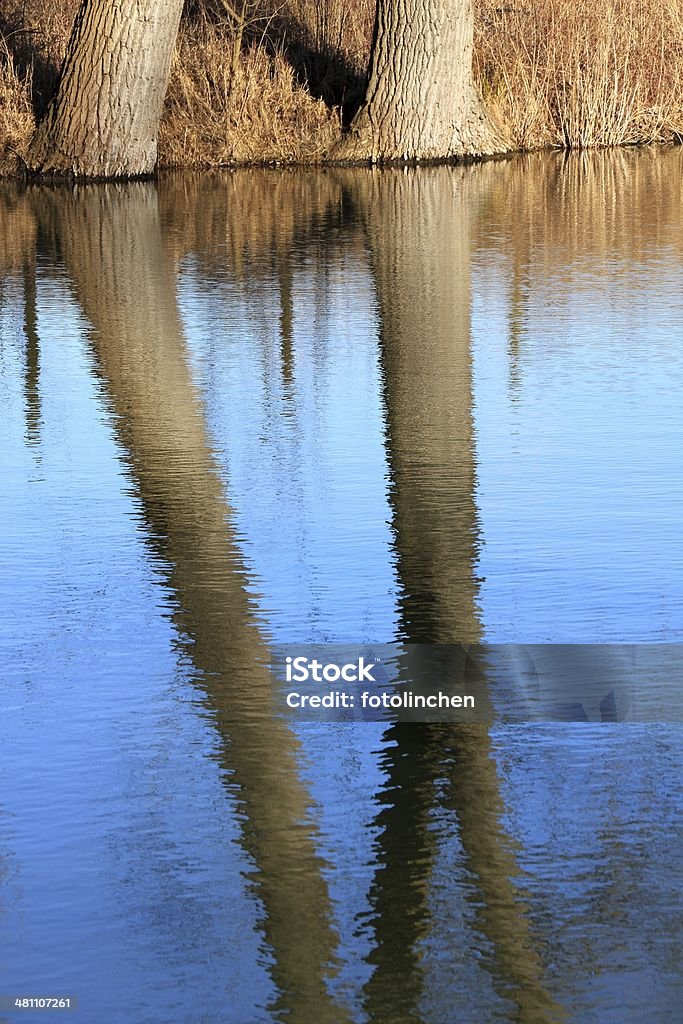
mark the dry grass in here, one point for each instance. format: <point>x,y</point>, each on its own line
<point>221,109</point>
<point>272,80</point>
<point>583,73</point>
<point>32,40</point>
<point>16,112</point>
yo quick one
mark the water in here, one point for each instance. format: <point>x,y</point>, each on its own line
<point>269,406</point>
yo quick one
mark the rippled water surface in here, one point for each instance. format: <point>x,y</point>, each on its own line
<point>436,406</point>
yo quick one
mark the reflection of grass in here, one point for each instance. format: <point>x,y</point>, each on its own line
<point>267,79</point>
<point>17,230</point>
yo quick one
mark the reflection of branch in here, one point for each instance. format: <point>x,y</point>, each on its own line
<point>284,272</point>
<point>32,375</point>
<point>516,320</point>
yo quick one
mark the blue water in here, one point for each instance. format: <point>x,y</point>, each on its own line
<point>434,405</point>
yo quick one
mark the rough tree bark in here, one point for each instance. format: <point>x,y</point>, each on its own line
<point>104,118</point>
<point>421,102</point>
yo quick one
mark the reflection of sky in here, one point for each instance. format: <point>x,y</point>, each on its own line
<point>116,831</point>
<point>578,444</point>
<point>304,459</point>
<point>609,797</point>
<point>580,456</point>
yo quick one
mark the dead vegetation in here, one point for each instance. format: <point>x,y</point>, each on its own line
<point>576,74</point>
<point>220,110</point>
<point>269,81</point>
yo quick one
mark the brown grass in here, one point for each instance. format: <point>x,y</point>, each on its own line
<point>272,80</point>
<point>16,112</point>
<point>583,73</point>
<point>221,110</point>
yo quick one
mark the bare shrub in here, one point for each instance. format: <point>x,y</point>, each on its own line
<point>582,73</point>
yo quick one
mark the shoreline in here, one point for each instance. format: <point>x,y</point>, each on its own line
<point>19,174</point>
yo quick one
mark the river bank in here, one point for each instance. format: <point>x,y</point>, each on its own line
<point>268,83</point>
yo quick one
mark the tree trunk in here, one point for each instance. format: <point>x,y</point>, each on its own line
<point>104,118</point>
<point>421,101</point>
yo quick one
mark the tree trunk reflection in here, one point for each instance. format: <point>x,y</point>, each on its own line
<point>418,229</point>
<point>113,249</point>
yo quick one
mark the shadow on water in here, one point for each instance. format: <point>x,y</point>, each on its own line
<point>121,247</point>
